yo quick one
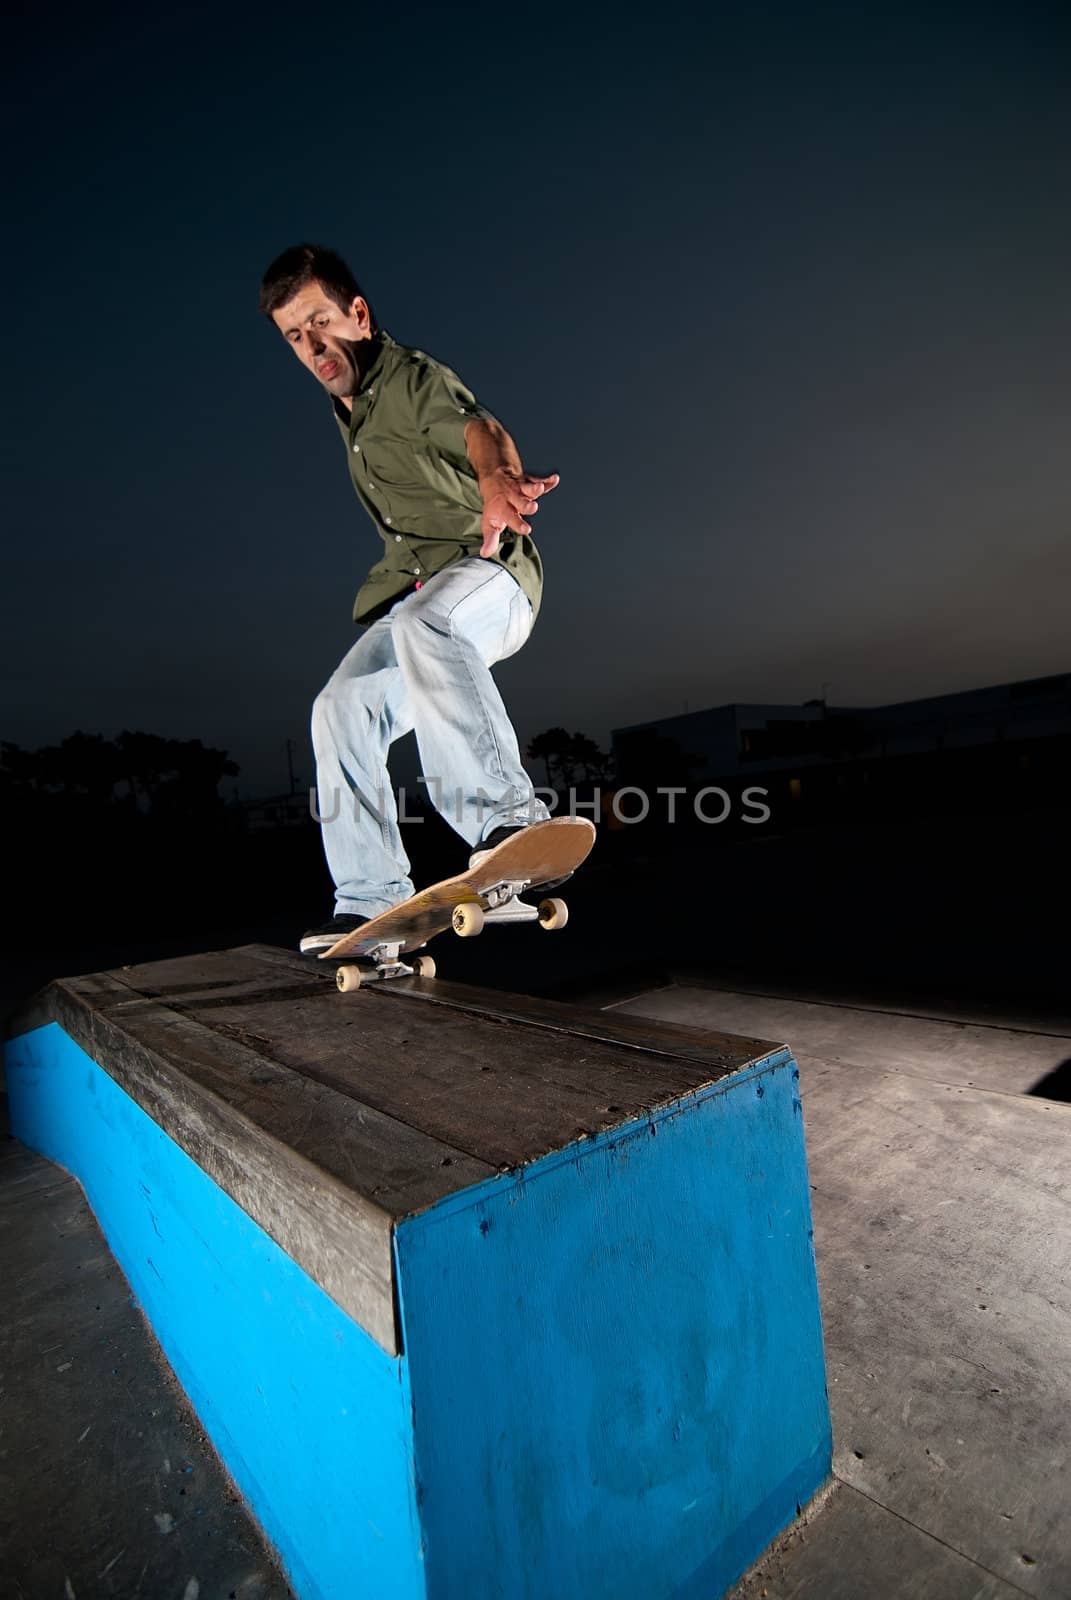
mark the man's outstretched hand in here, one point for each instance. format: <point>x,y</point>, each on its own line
<point>508,498</point>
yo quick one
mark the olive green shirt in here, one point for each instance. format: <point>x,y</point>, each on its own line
<point>405,438</point>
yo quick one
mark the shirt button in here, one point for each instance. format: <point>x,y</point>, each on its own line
<point>356,449</point>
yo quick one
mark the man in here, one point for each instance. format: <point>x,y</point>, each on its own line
<point>457,589</point>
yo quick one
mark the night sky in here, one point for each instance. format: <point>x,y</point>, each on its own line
<point>783,292</point>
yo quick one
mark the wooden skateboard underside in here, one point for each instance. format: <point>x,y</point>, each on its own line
<point>533,856</point>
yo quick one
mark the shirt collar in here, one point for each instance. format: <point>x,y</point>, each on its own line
<point>383,345</point>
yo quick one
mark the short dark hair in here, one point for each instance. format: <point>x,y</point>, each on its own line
<point>309,263</point>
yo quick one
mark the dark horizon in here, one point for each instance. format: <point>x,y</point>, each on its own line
<point>782,298</point>
<point>992,713</point>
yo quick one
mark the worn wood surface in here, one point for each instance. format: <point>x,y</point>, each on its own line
<point>717,1053</point>
<point>327,1117</point>
<point>502,1078</point>
<point>715,1049</point>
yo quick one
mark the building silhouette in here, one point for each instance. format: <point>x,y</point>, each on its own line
<point>1005,747</point>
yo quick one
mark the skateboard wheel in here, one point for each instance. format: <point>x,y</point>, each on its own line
<point>467,919</point>
<point>348,979</point>
<point>553,914</point>
<point>424,967</point>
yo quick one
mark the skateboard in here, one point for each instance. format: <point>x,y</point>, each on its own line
<point>487,894</point>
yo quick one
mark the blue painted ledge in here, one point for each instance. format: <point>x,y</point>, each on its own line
<point>598,1371</point>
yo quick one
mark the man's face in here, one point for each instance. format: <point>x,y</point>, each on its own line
<point>329,341</point>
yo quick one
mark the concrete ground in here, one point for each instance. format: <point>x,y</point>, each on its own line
<point>941,1186</point>
<point>108,1486</point>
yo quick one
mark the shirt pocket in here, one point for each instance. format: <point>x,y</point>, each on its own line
<point>391,462</point>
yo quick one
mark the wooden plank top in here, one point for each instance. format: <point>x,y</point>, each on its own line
<point>329,1117</point>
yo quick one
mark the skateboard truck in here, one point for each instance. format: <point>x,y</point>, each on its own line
<point>471,916</point>
<point>379,964</point>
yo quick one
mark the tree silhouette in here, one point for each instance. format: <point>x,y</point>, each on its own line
<point>566,754</point>
<point>81,766</point>
<point>172,775</point>
<point>140,771</point>
<point>547,747</point>
<point>585,754</point>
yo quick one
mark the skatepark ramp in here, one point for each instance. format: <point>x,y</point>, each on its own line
<point>474,1294</point>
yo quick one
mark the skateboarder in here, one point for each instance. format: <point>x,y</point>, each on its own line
<point>457,588</point>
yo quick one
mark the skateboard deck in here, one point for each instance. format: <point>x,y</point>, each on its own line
<point>533,856</point>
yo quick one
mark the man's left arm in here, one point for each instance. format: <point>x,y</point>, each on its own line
<point>509,493</point>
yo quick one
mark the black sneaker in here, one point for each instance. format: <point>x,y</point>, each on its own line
<point>328,933</point>
<point>499,836</point>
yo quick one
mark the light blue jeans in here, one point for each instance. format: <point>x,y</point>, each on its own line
<point>424,666</point>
